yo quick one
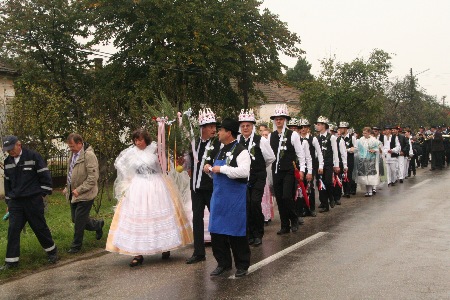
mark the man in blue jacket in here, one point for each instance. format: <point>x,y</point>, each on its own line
<point>27,182</point>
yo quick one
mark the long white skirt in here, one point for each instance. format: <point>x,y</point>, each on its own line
<point>149,219</point>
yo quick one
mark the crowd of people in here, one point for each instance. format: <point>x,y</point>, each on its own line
<point>236,169</point>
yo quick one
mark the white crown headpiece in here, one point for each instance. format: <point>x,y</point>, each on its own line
<point>281,110</point>
<point>323,119</point>
<point>304,122</point>
<point>343,125</point>
<point>247,116</point>
<point>293,122</point>
<point>206,116</point>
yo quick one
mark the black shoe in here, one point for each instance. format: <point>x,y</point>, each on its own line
<point>338,202</point>
<point>73,250</point>
<point>137,260</point>
<point>301,221</point>
<point>219,270</point>
<point>99,233</point>
<point>332,203</point>
<point>251,241</point>
<point>374,192</point>
<point>195,259</point>
<point>312,213</point>
<point>283,231</point>
<point>294,227</point>
<point>401,180</point>
<point>9,265</point>
<point>53,256</point>
<point>347,195</point>
<point>240,273</point>
<point>257,242</point>
<point>165,255</point>
<point>322,210</point>
<point>353,193</point>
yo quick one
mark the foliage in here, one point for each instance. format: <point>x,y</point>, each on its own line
<point>300,73</point>
<point>348,91</point>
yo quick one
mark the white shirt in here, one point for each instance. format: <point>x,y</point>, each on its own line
<point>308,157</point>
<point>299,150</point>
<point>266,150</point>
<point>317,150</point>
<point>16,159</point>
<point>353,142</point>
<point>387,147</point>
<point>243,161</point>
<point>343,151</point>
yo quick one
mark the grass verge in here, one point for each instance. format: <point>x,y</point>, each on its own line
<point>32,256</point>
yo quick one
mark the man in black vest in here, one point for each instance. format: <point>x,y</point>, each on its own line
<point>342,155</point>
<point>404,151</point>
<point>262,156</point>
<point>206,148</point>
<point>330,155</point>
<point>437,149</point>
<point>287,147</point>
<point>350,143</point>
<point>391,149</point>
<point>317,164</point>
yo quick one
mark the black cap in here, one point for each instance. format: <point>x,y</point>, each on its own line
<point>230,124</point>
<point>9,142</point>
<point>387,126</point>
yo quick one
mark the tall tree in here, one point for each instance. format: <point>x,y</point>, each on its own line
<point>300,73</point>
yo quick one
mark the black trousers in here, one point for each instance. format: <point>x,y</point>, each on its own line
<point>425,155</point>
<point>221,245</point>
<point>200,199</point>
<point>437,159</point>
<point>326,195</point>
<point>350,187</point>
<point>284,187</point>
<point>23,210</point>
<point>255,217</point>
<point>80,217</point>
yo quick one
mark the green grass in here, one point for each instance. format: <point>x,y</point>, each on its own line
<point>32,255</point>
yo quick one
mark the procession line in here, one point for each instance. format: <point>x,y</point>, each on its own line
<point>421,183</point>
<point>282,253</point>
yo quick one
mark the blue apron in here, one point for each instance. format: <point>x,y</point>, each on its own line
<point>228,209</point>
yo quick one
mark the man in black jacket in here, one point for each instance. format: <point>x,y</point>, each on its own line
<point>27,182</point>
<point>403,155</point>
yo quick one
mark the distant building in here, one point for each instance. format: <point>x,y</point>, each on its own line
<point>276,93</point>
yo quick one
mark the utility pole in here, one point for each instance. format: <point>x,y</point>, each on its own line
<point>443,100</point>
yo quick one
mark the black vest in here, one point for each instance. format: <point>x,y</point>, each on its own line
<point>392,146</point>
<point>327,150</point>
<point>288,156</point>
<point>206,181</point>
<point>312,151</point>
<point>258,173</point>
<point>222,155</point>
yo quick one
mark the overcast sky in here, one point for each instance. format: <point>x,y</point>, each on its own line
<point>415,32</point>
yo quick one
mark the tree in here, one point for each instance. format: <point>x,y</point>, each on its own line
<point>192,49</point>
<point>348,91</point>
<point>300,73</point>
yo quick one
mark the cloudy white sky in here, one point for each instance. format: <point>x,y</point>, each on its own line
<point>415,32</point>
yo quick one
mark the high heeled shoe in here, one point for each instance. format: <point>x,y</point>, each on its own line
<point>137,260</point>
<point>165,255</point>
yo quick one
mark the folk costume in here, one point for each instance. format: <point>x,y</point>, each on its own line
<point>203,152</point>
<point>349,183</point>
<point>317,163</point>
<point>262,156</point>
<point>149,217</point>
<point>228,218</point>
<point>367,163</point>
<point>338,178</point>
<point>329,148</point>
<point>287,147</point>
<point>392,144</point>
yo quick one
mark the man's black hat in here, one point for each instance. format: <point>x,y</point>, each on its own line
<point>230,124</point>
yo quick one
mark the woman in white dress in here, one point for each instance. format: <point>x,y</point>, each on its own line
<point>149,217</point>
<point>368,161</point>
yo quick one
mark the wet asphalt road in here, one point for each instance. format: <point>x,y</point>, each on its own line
<point>395,245</point>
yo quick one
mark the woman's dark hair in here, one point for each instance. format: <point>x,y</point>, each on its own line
<point>141,133</point>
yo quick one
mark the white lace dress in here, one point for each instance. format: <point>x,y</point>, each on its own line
<point>149,217</point>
